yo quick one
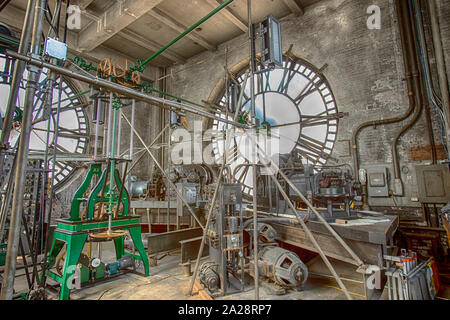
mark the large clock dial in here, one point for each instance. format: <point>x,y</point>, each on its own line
<point>73,128</point>
<point>295,99</point>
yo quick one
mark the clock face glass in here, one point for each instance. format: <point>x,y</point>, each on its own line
<point>73,132</point>
<point>297,101</point>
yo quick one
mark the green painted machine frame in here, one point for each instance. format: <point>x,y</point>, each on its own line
<point>74,232</point>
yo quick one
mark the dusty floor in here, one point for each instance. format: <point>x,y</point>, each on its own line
<point>167,282</point>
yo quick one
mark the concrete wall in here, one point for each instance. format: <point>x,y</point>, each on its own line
<point>365,71</point>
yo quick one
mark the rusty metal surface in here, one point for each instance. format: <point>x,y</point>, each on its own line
<point>190,247</point>
<point>163,242</point>
<point>367,241</point>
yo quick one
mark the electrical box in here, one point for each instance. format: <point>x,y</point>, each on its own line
<point>271,46</point>
<point>377,182</point>
<point>234,91</point>
<point>56,49</point>
<point>433,184</point>
<point>189,192</point>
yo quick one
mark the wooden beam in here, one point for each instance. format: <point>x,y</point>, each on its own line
<point>175,25</point>
<point>150,45</point>
<point>294,7</point>
<point>113,20</point>
<point>228,13</point>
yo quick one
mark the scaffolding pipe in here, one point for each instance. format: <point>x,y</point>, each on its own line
<point>180,196</point>
<point>22,158</point>
<point>17,75</point>
<point>190,29</point>
<point>104,84</point>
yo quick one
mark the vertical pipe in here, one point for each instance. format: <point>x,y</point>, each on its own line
<point>22,158</point>
<point>398,189</point>
<point>50,200</point>
<point>108,138</point>
<point>440,62</point>
<point>252,113</point>
<point>19,68</point>
<point>96,129</point>
<point>133,112</point>
<point>119,132</point>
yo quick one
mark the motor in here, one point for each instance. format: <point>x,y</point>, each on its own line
<point>282,266</point>
<point>123,263</point>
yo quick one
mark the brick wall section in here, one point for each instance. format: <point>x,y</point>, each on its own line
<point>365,71</point>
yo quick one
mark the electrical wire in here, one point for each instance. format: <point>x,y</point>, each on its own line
<point>426,71</point>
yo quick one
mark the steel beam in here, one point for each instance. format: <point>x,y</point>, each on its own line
<point>21,158</point>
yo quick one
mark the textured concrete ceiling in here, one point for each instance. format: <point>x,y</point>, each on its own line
<point>138,28</point>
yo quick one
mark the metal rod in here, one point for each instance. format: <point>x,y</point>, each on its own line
<point>18,72</point>
<point>96,129</point>
<point>22,156</point>
<point>133,114</point>
<point>122,90</point>
<point>254,121</point>
<point>208,219</point>
<point>182,35</point>
<point>151,144</point>
<point>110,114</point>
<point>165,174</point>
<point>303,224</point>
<point>52,182</point>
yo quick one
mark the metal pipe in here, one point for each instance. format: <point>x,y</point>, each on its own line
<point>410,41</point>
<point>254,120</point>
<point>17,74</point>
<point>411,98</point>
<point>52,181</point>
<point>133,114</point>
<point>182,35</point>
<point>97,124</point>
<point>440,62</point>
<point>22,156</point>
<point>110,114</point>
<point>308,232</point>
<point>208,218</point>
<point>165,175</point>
<point>162,103</point>
<point>313,209</point>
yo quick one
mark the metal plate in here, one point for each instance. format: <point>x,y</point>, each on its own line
<point>433,184</point>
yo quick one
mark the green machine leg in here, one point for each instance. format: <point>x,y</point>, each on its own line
<point>118,244</point>
<point>135,233</point>
<point>75,246</point>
